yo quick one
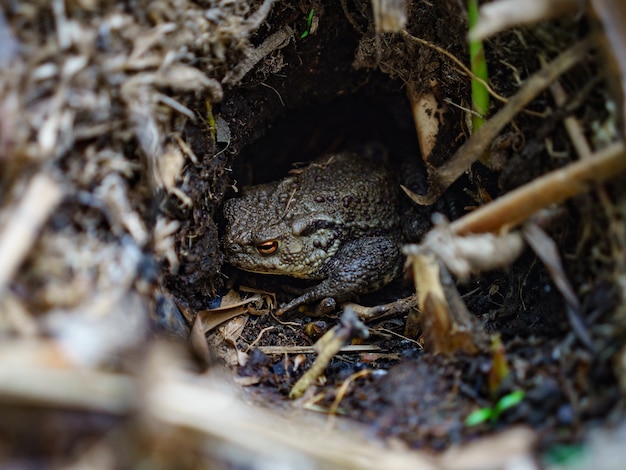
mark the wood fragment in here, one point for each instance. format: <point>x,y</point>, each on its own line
<point>38,373</point>
<point>573,127</point>
<point>428,119</point>
<point>448,328</point>
<point>351,348</point>
<point>505,14</point>
<point>378,312</point>
<point>516,206</point>
<point>470,253</point>
<point>327,346</point>
<point>389,15</point>
<point>41,197</point>
<point>278,40</point>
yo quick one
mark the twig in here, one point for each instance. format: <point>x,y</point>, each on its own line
<point>18,235</point>
<point>378,312</point>
<point>276,41</point>
<point>349,349</point>
<point>344,389</point>
<point>457,62</point>
<point>555,187</point>
<point>34,373</point>
<point>329,345</point>
<point>258,338</point>
<point>577,136</point>
<point>573,127</point>
<point>441,178</point>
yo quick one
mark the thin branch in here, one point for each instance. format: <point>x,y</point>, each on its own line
<point>516,206</point>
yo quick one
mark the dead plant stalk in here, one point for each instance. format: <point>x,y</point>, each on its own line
<point>516,206</point>
<point>442,177</point>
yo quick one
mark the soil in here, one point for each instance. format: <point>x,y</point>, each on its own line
<point>345,87</point>
<point>340,86</point>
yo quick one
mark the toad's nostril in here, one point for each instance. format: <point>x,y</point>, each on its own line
<point>234,248</point>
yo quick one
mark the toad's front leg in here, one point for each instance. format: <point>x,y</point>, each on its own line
<point>359,266</point>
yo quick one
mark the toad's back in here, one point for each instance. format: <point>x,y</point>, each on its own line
<point>356,193</point>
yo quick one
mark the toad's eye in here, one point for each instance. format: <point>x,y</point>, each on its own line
<point>268,247</point>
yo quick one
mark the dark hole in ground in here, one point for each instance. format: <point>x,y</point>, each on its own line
<point>374,121</point>
<point>366,121</point>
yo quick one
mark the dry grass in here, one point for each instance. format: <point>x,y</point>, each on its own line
<point>94,95</point>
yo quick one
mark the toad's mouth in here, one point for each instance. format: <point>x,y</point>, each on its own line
<point>276,267</point>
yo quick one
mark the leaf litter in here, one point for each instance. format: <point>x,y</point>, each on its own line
<point>113,173</point>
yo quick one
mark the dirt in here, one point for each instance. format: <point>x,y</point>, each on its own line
<point>340,86</point>
<point>411,394</point>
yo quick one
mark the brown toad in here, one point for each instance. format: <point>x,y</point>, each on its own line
<point>336,221</point>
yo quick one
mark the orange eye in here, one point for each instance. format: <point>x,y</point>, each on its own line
<point>268,247</point>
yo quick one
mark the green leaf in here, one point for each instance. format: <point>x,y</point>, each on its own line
<point>309,21</point>
<point>565,455</point>
<point>508,401</point>
<point>492,414</point>
<point>479,416</point>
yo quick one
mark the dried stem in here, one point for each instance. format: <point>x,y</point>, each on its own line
<point>516,206</point>
<point>441,178</point>
<point>17,237</point>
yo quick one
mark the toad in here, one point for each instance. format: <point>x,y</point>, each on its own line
<point>335,221</point>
